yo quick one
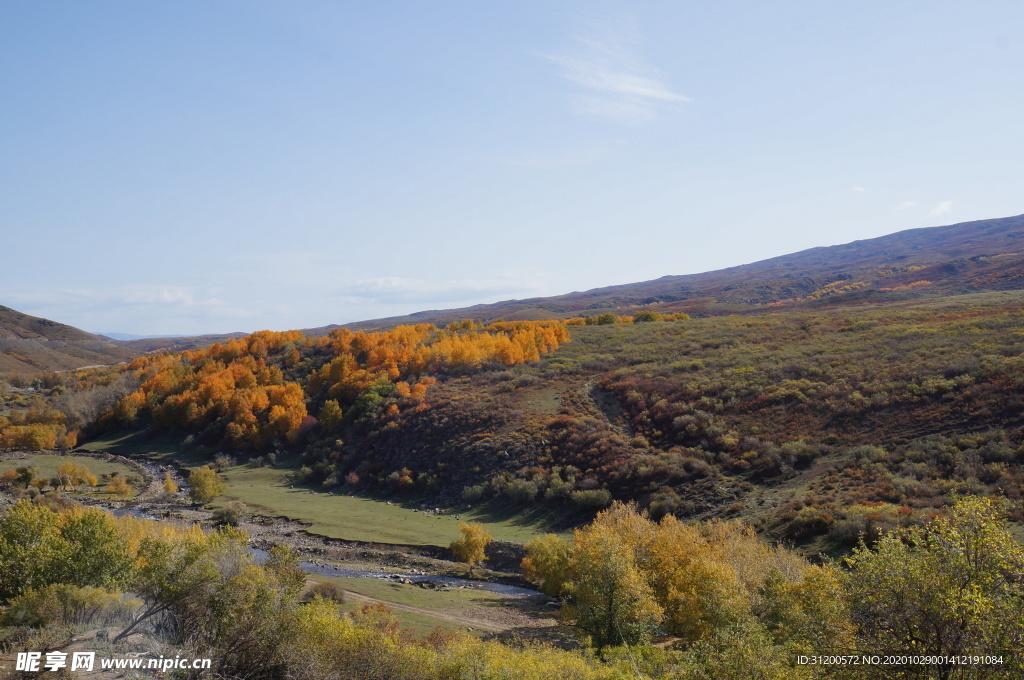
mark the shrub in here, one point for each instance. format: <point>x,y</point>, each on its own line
<point>326,590</point>
<point>521,491</point>
<point>223,462</point>
<point>473,494</point>
<point>170,486</point>
<point>592,499</point>
<point>119,486</point>
<point>231,513</point>
<point>66,604</point>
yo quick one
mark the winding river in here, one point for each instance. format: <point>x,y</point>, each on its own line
<point>325,570</point>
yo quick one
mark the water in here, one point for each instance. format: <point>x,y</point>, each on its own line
<point>449,581</point>
<point>324,570</point>
<point>121,512</point>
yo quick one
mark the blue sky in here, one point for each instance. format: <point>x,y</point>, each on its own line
<point>202,167</point>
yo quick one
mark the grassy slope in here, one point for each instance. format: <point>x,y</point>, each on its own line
<point>460,603</point>
<point>31,345</point>
<point>49,462</point>
<point>358,518</point>
<point>885,375</point>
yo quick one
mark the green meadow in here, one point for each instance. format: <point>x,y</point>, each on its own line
<point>266,491</point>
<point>375,519</point>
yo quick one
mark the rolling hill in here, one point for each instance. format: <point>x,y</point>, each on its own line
<point>932,261</point>
<point>29,344</point>
<point>946,260</point>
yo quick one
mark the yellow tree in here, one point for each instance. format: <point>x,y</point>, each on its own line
<point>470,548</point>
<point>170,487</point>
<point>119,485</point>
<point>611,600</point>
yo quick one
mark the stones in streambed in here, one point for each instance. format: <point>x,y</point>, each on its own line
<point>433,585</point>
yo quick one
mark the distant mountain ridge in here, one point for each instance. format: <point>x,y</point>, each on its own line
<point>30,344</point>
<point>155,343</point>
<point>957,258</point>
<point>945,260</point>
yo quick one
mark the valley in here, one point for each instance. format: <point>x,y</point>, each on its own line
<point>812,437</point>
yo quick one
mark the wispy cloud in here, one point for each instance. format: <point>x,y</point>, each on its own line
<point>858,190</point>
<point>145,308</point>
<point>941,208</point>
<point>605,62</point>
<point>905,205</point>
<point>397,289</point>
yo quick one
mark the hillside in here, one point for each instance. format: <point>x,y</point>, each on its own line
<point>931,261</point>
<point>958,258</point>
<point>175,344</point>
<point>814,425</point>
<point>29,344</point>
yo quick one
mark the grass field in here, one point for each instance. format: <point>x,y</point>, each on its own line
<point>447,609</point>
<point>266,491</point>
<point>49,462</point>
<point>144,443</point>
<point>357,518</point>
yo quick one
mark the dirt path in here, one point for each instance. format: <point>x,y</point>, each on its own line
<point>452,618</point>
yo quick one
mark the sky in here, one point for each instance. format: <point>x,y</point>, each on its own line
<point>204,167</point>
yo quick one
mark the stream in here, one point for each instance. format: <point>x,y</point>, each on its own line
<point>449,581</point>
<point>324,570</point>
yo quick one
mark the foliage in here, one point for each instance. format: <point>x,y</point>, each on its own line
<point>52,410</point>
<point>69,605</point>
<point>256,392</point>
<point>470,548</point>
<point>230,513</point>
<point>884,412</point>
<point>948,589</point>
<point>119,485</point>
<point>73,473</point>
<point>205,484</point>
<point>737,607</point>
<point>625,576</point>
<point>169,485</point>
<point>39,547</point>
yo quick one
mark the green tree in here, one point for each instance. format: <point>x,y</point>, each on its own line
<point>26,475</point>
<point>205,484</point>
<point>330,415</point>
<point>93,551</point>
<point>80,547</point>
<point>951,588</point>
<point>180,565</point>
<point>28,546</point>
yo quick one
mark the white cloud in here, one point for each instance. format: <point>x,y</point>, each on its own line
<point>617,83</point>
<point>141,308</point>
<point>905,205</point>
<point>858,190</point>
<point>397,289</point>
<point>941,208</point>
<point>169,295</point>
